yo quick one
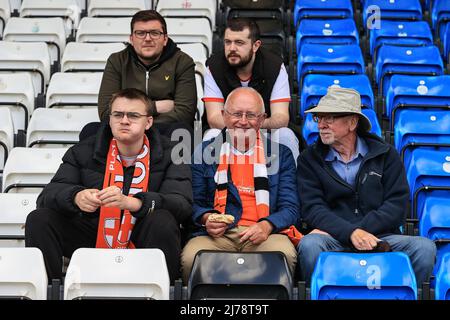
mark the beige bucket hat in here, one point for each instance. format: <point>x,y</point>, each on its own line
<point>342,100</point>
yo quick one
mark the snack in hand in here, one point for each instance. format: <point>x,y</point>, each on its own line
<point>217,217</point>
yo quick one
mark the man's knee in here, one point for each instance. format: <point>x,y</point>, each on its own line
<point>311,244</point>
<point>425,249</point>
<point>37,220</point>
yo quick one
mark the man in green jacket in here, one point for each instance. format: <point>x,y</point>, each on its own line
<point>154,64</point>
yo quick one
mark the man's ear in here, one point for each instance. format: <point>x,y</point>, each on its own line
<point>149,123</point>
<point>256,45</point>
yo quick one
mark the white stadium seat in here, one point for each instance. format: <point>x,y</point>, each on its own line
<point>193,8</point>
<point>5,13</point>
<point>49,30</point>
<point>104,30</point>
<point>190,30</point>
<point>198,53</point>
<point>69,10</point>
<point>28,170</point>
<point>88,56</point>
<point>58,127</point>
<point>18,94</point>
<point>6,135</point>
<point>15,208</point>
<point>118,8</point>
<point>33,57</point>
<point>73,89</point>
<point>22,274</point>
<point>117,273</point>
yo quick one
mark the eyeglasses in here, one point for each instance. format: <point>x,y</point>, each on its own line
<point>132,116</point>
<point>329,118</point>
<point>142,34</point>
<point>249,115</point>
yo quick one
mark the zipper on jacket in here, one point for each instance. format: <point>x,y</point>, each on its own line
<point>147,76</point>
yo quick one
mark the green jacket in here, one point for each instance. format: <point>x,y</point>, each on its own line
<point>171,77</point>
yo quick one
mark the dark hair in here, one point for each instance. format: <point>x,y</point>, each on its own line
<point>134,94</point>
<point>148,15</point>
<point>239,24</point>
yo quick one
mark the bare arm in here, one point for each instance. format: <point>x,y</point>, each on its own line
<point>163,106</point>
<point>214,114</point>
<point>279,116</point>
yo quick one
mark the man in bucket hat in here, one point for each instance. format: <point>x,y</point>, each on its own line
<point>353,189</point>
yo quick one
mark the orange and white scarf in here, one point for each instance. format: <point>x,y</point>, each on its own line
<point>112,231</point>
<point>261,181</point>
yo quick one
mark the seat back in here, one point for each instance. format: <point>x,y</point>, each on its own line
<point>32,57</point>
<point>14,212</point>
<point>392,10</point>
<point>435,220</point>
<point>194,9</point>
<point>51,128</point>
<point>417,92</point>
<point>117,273</point>
<point>428,173</point>
<point>339,275</point>
<point>104,30</point>
<point>107,8</point>
<point>442,289</point>
<point>425,61</point>
<point>312,9</point>
<point>329,59</point>
<point>29,169</point>
<point>18,94</point>
<point>73,89</point>
<point>88,56</point>
<point>49,30</point>
<point>6,135</point>
<point>190,30</point>
<point>22,274</point>
<point>240,275</point>
<point>333,31</point>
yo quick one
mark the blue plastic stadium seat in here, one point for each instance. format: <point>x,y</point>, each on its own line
<point>446,42</point>
<point>315,86</point>
<point>329,59</point>
<point>338,31</point>
<point>428,174</point>
<point>442,289</point>
<point>391,60</point>
<point>440,16</point>
<point>310,129</point>
<point>393,10</point>
<point>400,33</point>
<point>417,91</point>
<point>339,275</point>
<point>415,128</point>
<point>324,9</point>
<point>240,275</point>
<point>435,218</point>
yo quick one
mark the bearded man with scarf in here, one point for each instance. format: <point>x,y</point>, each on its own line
<point>116,189</point>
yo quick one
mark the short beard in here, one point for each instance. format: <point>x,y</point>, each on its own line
<point>242,63</point>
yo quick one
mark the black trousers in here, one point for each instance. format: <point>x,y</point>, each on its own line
<point>58,235</point>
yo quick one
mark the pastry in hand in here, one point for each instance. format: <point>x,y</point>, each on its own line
<point>217,217</point>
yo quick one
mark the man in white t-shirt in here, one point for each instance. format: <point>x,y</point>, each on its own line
<point>245,63</point>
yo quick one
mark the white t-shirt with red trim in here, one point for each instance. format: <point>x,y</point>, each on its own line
<point>280,91</point>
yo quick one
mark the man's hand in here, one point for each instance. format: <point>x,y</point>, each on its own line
<point>112,197</point>
<point>214,229</point>
<point>87,200</point>
<point>257,233</point>
<point>363,240</point>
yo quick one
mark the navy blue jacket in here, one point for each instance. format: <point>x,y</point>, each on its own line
<point>284,203</point>
<point>377,203</point>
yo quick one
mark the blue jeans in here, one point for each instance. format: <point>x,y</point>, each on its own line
<point>421,252</point>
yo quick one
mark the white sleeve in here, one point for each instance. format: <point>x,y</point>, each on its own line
<point>212,91</point>
<point>281,91</point>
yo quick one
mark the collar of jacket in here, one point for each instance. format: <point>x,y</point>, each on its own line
<point>104,136</point>
<point>169,50</point>
<point>375,144</point>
